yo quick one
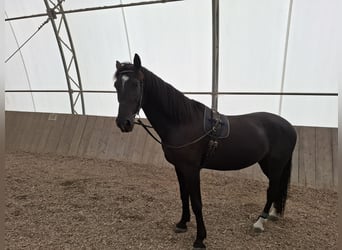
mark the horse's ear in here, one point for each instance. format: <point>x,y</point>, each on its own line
<point>137,61</point>
<point>118,65</point>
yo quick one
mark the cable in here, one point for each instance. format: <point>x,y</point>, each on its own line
<point>22,59</point>
<point>27,40</point>
<point>289,17</point>
<point>126,32</point>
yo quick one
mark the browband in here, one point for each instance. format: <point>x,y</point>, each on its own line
<point>126,71</point>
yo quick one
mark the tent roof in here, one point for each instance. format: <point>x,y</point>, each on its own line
<point>266,51</point>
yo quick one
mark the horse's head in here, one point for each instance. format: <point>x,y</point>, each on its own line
<point>129,87</point>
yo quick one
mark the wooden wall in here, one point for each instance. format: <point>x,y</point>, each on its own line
<point>314,161</point>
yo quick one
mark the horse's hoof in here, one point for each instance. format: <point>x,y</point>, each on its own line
<point>198,245</point>
<point>258,226</point>
<point>180,230</point>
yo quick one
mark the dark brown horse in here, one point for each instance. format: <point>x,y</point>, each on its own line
<point>180,122</point>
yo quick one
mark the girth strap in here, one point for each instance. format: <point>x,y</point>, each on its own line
<point>219,125</point>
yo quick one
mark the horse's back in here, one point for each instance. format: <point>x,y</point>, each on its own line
<point>276,128</point>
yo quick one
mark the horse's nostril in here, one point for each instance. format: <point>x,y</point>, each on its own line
<point>128,123</point>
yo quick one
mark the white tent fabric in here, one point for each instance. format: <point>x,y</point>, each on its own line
<point>252,55</point>
<point>174,41</point>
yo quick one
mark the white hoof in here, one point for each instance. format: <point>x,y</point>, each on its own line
<point>274,216</point>
<point>259,225</point>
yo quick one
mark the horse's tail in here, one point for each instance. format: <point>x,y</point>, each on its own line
<point>284,186</point>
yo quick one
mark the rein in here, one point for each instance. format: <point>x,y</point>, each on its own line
<point>146,127</point>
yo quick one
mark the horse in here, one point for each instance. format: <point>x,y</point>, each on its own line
<point>260,137</point>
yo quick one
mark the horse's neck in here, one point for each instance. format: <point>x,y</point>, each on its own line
<point>155,110</point>
<point>157,120</point>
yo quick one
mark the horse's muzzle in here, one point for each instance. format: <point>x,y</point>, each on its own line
<point>125,125</point>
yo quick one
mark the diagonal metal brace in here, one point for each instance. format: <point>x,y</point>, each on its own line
<point>66,48</point>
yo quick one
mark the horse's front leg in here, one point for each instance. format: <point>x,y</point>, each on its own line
<point>184,194</point>
<point>192,182</point>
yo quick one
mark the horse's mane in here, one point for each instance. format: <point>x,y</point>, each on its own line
<point>171,101</point>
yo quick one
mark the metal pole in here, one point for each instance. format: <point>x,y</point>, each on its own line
<point>186,92</point>
<point>73,51</point>
<point>66,46</point>
<point>285,55</point>
<point>50,12</point>
<point>215,51</point>
<point>94,8</point>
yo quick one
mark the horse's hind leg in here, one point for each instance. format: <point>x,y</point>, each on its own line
<point>272,191</point>
<point>280,201</point>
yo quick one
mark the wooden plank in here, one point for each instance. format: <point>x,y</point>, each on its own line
<point>156,155</point>
<point>109,154</point>
<point>138,147</point>
<point>69,128</point>
<point>307,148</point>
<point>127,145</point>
<point>295,161</point>
<point>37,132</point>
<point>31,131</point>
<point>119,147</point>
<point>95,136</point>
<point>27,136</point>
<point>109,122</point>
<point>19,130</point>
<point>46,129</point>
<point>27,122</point>
<point>150,150</point>
<point>147,145</point>
<point>11,125</point>
<point>77,135</point>
<point>8,122</point>
<point>88,130</point>
<point>335,163</point>
<point>324,162</point>
<point>55,133</point>
<point>14,131</point>
<point>113,145</point>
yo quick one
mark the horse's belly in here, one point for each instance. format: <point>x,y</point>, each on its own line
<point>226,166</point>
<point>227,157</point>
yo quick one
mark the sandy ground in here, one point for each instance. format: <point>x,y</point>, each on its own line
<point>56,202</point>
